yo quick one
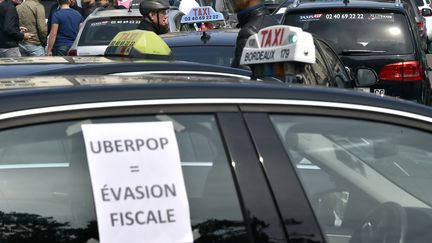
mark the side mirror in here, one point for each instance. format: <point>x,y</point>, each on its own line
<point>365,77</point>
<point>426,12</point>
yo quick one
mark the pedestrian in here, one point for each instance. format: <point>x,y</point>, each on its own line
<point>155,16</point>
<point>89,6</point>
<point>32,16</point>
<point>252,15</point>
<point>105,4</point>
<point>64,29</point>
<point>10,31</point>
<point>72,4</point>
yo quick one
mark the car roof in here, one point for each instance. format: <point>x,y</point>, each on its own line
<point>85,66</point>
<point>351,4</point>
<point>219,37</point>
<point>101,13</point>
<point>183,87</point>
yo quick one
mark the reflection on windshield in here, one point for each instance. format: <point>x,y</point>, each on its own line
<point>356,172</point>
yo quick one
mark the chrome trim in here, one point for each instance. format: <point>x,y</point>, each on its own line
<point>182,72</point>
<point>206,101</point>
<point>33,166</point>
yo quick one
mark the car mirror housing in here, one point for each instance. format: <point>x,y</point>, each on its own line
<point>426,12</point>
<point>366,77</point>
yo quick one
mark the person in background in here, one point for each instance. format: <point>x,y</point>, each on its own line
<point>106,4</point>
<point>89,6</point>
<point>73,4</point>
<point>10,31</point>
<point>64,29</point>
<point>155,18</point>
<point>252,15</point>
<point>32,16</point>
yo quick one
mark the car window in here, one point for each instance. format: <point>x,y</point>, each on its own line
<point>387,33</point>
<point>420,3</point>
<point>219,55</point>
<point>348,168</point>
<point>45,183</point>
<point>101,31</point>
<point>337,69</point>
<point>320,70</point>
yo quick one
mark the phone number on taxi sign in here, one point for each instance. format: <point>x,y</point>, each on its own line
<point>206,17</point>
<point>345,16</point>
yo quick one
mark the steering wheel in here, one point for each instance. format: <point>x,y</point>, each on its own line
<point>385,223</point>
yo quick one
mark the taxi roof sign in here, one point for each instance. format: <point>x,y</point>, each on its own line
<point>138,43</point>
<point>202,14</point>
<point>279,43</point>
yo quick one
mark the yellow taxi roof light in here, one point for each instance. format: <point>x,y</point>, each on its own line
<point>138,43</point>
<point>279,43</point>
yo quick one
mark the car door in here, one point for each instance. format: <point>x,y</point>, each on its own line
<point>45,182</point>
<point>364,171</point>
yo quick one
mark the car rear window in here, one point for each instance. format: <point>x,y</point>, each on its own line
<point>419,3</point>
<point>218,55</point>
<point>102,31</point>
<point>379,33</point>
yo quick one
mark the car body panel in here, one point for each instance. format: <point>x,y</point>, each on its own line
<point>29,66</point>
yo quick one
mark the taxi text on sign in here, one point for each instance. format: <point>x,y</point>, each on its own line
<point>137,183</point>
<point>279,43</point>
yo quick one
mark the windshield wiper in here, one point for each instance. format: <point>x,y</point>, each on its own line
<point>361,51</point>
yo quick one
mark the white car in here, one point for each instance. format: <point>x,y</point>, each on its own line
<point>425,4</point>
<point>101,26</point>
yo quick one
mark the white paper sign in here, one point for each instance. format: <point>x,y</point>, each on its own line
<point>137,183</point>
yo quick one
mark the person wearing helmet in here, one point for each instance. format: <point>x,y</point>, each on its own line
<point>155,18</point>
<point>252,16</point>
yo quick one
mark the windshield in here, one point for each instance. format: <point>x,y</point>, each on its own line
<point>380,33</point>
<point>102,30</point>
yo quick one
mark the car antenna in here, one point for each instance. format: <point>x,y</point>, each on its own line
<point>205,37</point>
<point>296,3</point>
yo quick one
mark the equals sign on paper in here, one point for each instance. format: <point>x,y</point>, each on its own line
<point>134,168</point>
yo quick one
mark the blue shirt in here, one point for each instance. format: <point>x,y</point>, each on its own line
<point>68,21</point>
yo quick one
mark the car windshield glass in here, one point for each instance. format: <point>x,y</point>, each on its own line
<point>102,31</point>
<point>358,33</point>
<point>220,55</point>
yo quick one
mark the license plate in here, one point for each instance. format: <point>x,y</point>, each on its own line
<point>379,91</point>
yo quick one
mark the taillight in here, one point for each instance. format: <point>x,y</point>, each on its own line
<point>421,26</point>
<point>72,52</point>
<point>402,71</point>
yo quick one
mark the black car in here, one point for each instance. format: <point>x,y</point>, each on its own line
<point>87,65</point>
<point>379,35</point>
<point>217,47</point>
<point>189,159</point>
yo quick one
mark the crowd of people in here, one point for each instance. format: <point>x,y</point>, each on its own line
<point>24,31</point>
